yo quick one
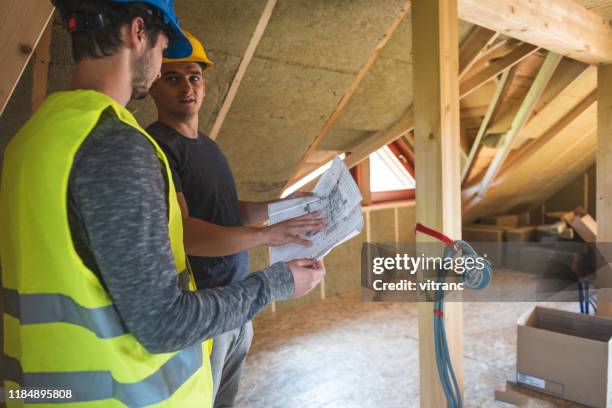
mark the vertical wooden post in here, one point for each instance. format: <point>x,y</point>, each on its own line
<point>363,181</point>
<point>604,185</point>
<point>438,200</point>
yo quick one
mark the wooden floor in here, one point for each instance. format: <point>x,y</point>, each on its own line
<point>342,352</point>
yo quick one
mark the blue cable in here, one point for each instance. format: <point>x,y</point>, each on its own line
<point>475,279</point>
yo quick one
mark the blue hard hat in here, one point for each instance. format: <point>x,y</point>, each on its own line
<point>179,46</point>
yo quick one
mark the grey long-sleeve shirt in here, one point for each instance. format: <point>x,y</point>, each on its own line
<point>118,217</point>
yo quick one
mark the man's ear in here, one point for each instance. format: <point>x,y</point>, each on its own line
<point>137,34</point>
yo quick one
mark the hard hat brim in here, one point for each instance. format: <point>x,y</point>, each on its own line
<point>179,46</point>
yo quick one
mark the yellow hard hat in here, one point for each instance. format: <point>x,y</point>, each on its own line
<point>198,54</point>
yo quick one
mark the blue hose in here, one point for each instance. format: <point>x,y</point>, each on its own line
<point>475,279</point>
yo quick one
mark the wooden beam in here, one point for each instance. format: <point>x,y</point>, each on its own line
<point>520,156</point>
<point>350,91</point>
<point>244,64</point>
<point>485,123</point>
<point>473,46</point>
<point>488,55</point>
<point>22,23</point>
<point>604,186</point>
<point>399,129</point>
<point>475,81</point>
<point>363,181</point>
<point>561,26</point>
<point>539,83</point>
<point>574,92</point>
<point>41,60</point>
<point>436,121</point>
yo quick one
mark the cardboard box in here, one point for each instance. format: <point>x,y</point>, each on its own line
<point>565,354</point>
<point>507,220</point>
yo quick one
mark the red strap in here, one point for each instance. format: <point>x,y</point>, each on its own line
<point>438,313</point>
<point>71,24</point>
<point>438,235</point>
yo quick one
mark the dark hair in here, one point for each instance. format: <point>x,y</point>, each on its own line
<point>95,25</point>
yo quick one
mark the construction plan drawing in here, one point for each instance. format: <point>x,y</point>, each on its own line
<point>337,197</point>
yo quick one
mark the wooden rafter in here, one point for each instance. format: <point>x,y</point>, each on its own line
<point>501,84</point>
<point>538,86</point>
<point>561,26</point>
<point>342,103</point>
<point>511,53</point>
<point>522,155</point>
<point>402,127</point>
<point>578,88</point>
<point>476,80</point>
<point>242,68</point>
<point>22,23</point>
<point>473,46</point>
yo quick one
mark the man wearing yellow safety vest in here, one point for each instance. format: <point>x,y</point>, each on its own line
<point>99,309</point>
<point>219,228</point>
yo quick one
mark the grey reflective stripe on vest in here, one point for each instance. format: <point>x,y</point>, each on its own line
<point>100,385</point>
<point>104,322</point>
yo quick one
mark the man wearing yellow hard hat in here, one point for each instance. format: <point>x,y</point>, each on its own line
<point>219,229</point>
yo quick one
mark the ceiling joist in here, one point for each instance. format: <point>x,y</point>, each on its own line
<point>561,26</point>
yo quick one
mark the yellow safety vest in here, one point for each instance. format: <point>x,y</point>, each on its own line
<point>61,329</point>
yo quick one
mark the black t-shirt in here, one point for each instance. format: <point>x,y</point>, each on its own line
<point>201,172</point>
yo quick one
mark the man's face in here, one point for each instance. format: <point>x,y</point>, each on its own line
<point>180,90</point>
<point>146,67</point>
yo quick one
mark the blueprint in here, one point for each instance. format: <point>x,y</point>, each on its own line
<point>337,196</point>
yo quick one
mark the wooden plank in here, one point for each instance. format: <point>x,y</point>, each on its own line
<point>604,185</point>
<point>41,60</point>
<point>475,81</point>
<point>22,23</point>
<point>351,89</point>
<point>473,46</point>
<point>561,26</point>
<point>485,123</point>
<point>538,86</point>
<point>436,122</point>
<point>244,64</point>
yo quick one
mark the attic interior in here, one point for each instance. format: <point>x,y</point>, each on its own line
<point>493,116</point>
